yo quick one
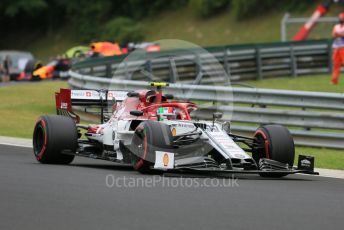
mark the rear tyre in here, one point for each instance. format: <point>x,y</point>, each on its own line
<point>35,78</point>
<point>55,139</point>
<point>150,136</point>
<point>77,54</point>
<point>277,144</point>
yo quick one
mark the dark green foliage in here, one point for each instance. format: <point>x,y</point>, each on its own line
<point>122,30</point>
<point>87,17</point>
<point>297,4</point>
<point>205,8</point>
<point>243,9</point>
<point>92,19</point>
<point>143,8</point>
<point>14,8</point>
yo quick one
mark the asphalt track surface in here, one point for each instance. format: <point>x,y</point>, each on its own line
<point>77,196</point>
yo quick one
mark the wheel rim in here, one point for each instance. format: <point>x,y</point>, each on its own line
<point>39,140</point>
<point>142,148</point>
<point>262,139</point>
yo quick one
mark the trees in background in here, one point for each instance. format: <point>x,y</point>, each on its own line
<point>118,19</point>
<point>206,8</point>
<point>90,19</point>
<point>123,29</point>
<point>243,9</point>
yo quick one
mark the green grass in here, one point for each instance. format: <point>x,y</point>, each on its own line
<point>320,83</point>
<point>221,29</point>
<point>324,158</point>
<point>224,29</point>
<point>21,105</point>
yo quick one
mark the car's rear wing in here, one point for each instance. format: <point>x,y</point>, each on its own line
<point>67,98</point>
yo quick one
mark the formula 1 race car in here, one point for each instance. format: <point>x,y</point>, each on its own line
<point>17,62</point>
<point>150,132</point>
<point>57,68</point>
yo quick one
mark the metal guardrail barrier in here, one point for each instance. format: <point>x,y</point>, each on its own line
<point>305,119</point>
<point>235,62</point>
<point>314,118</point>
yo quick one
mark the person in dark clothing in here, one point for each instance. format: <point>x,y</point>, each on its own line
<point>1,72</point>
<point>6,68</point>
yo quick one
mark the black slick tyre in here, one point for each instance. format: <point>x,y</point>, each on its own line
<point>55,139</point>
<point>276,144</point>
<point>150,136</point>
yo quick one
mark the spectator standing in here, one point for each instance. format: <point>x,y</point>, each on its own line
<point>338,48</point>
<point>6,68</point>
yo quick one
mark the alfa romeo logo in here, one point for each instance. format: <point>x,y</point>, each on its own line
<point>165,159</point>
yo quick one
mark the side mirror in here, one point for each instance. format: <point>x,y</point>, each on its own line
<point>106,118</point>
<point>217,115</point>
<point>226,127</point>
<point>133,94</point>
<point>136,113</point>
<point>169,96</point>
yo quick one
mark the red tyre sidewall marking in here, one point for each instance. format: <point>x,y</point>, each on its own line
<point>41,153</point>
<point>266,143</point>
<point>145,144</point>
<point>140,163</point>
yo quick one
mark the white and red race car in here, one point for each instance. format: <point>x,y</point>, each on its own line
<point>149,131</point>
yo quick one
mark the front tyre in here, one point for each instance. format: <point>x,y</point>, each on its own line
<point>150,136</point>
<point>35,78</point>
<point>55,139</point>
<point>276,144</point>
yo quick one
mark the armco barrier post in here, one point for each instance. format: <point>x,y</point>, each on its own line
<point>226,66</point>
<point>258,63</point>
<point>148,68</point>
<point>108,70</point>
<point>329,56</point>
<point>293,64</point>
<point>173,71</point>
<point>126,72</point>
<point>199,73</point>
